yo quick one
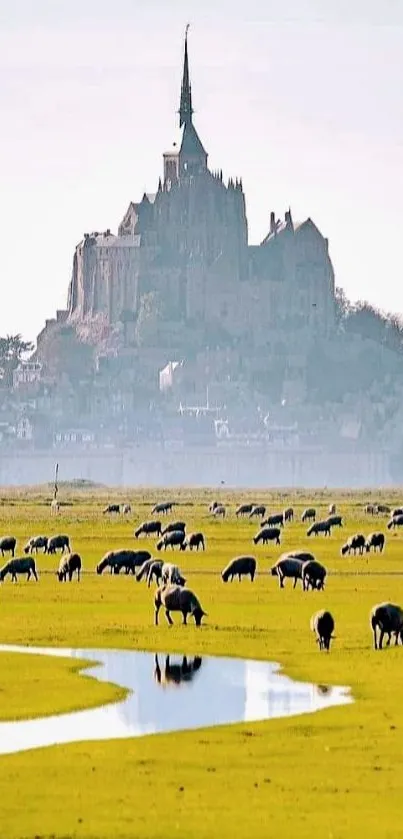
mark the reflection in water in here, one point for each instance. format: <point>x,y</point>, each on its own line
<point>176,674</point>
<point>213,691</point>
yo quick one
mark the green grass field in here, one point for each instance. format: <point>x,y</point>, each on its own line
<point>336,772</point>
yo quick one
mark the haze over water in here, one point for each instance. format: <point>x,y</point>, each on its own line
<point>303,102</point>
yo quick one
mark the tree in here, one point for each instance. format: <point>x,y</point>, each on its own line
<point>12,348</point>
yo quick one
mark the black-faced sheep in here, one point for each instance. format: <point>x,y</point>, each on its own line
<point>164,507</point>
<point>241,566</point>
<point>388,619</point>
<point>174,525</point>
<point>55,543</point>
<point>178,599</point>
<point>175,538</point>
<point>313,575</point>
<point>309,514</point>
<point>26,565</point>
<point>267,534</point>
<point>148,528</point>
<point>319,527</point>
<point>375,540</point>
<point>68,566</point>
<point>271,521</point>
<point>287,566</point>
<point>354,543</point>
<point>171,575</point>
<point>244,510</point>
<point>35,544</point>
<point>322,623</point>
<point>7,545</point>
<point>397,521</point>
<point>196,540</point>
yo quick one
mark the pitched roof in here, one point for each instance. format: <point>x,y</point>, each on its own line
<point>191,145</point>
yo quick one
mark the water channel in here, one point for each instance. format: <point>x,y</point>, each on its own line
<point>169,693</point>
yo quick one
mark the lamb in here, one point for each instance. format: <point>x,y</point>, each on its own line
<point>314,575</point>
<point>319,527</point>
<point>287,566</point>
<point>388,618</point>
<point>7,545</point>
<point>151,568</point>
<point>174,525</point>
<point>148,528</point>
<point>276,518</point>
<point>335,521</point>
<point>164,507</point>
<point>322,623</point>
<point>396,521</point>
<point>375,540</point>
<point>332,509</point>
<point>241,566</point>
<point>195,540</point>
<point>309,514</point>
<point>68,566</point>
<point>26,565</point>
<point>171,575</point>
<point>116,560</point>
<point>178,599</point>
<point>177,537</point>
<point>243,510</point>
<point>56,542</point>
<point>219,510</point>
<point>354,543</point>
<point>35,543</point>
<point>259,510</point>
<point>267,534</point>
<point>288,514</point>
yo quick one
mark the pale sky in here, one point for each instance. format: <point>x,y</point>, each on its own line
<point>305,104</point>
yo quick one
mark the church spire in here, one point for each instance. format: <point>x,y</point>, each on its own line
<point>185,109</point>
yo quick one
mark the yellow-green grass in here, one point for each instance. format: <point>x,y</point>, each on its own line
<point>336,772</point>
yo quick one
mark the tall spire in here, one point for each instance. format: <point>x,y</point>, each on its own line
<point>185,109</point>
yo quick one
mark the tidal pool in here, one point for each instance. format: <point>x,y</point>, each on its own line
<point>169,693</point>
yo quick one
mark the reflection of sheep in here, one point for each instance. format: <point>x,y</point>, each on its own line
<point>240,566</point>
<point>178,599</point>
<point>171,575</point>
<point>388,618</point>
<point>313,574</point>
<point>175,674</point>
<point>354,543</point>
<point>19,566</point>
<point>287,566</point>
<point>375,540</point>
<point>68,566</point>
<point>322,624</point>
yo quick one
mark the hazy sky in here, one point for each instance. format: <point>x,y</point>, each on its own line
<point>305,104</point>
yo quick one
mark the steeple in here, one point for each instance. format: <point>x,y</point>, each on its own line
<point>185,109</point>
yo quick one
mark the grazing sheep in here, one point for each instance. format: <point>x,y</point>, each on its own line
<point>276,518</point>
<point>195,540</point>
<point>335,521</point>
<point>174,525</point>
<point>319,527</point>
<point>178,599</point>
<point>382,509</point>
<point>176,537</point>
<point>175,674</point>
<point>267,534</point>
<point>26,565</point>
<point>259,510</point>
<point>322,623</point>
<point>241,566</point>
<point>111,508</point>
<point>150,568</point>
<point>68,566</point>
<point>244,510</point>
<point>370,509</point>
<point>398,511</point>
<point>219,510</point>
<point>148,528</point>
<point>388,618</point>
<point>35,543</point>
<point>171,575</point>
<point>213,506</point>
<point>309,514</point>
<point>164,507</point>
<point>56,542</point>
<point>126,509</point>
<point>288,514</point>
<point>287,566</point>
<point>397,521</point>
<point>7,545</point>
<point>354,543</point>
<point>116,560</point>
<point>332,509</point>
<point>313,574</point>
<point>375,540</point>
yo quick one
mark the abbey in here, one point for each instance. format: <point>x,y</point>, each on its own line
<point>186,246</point>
